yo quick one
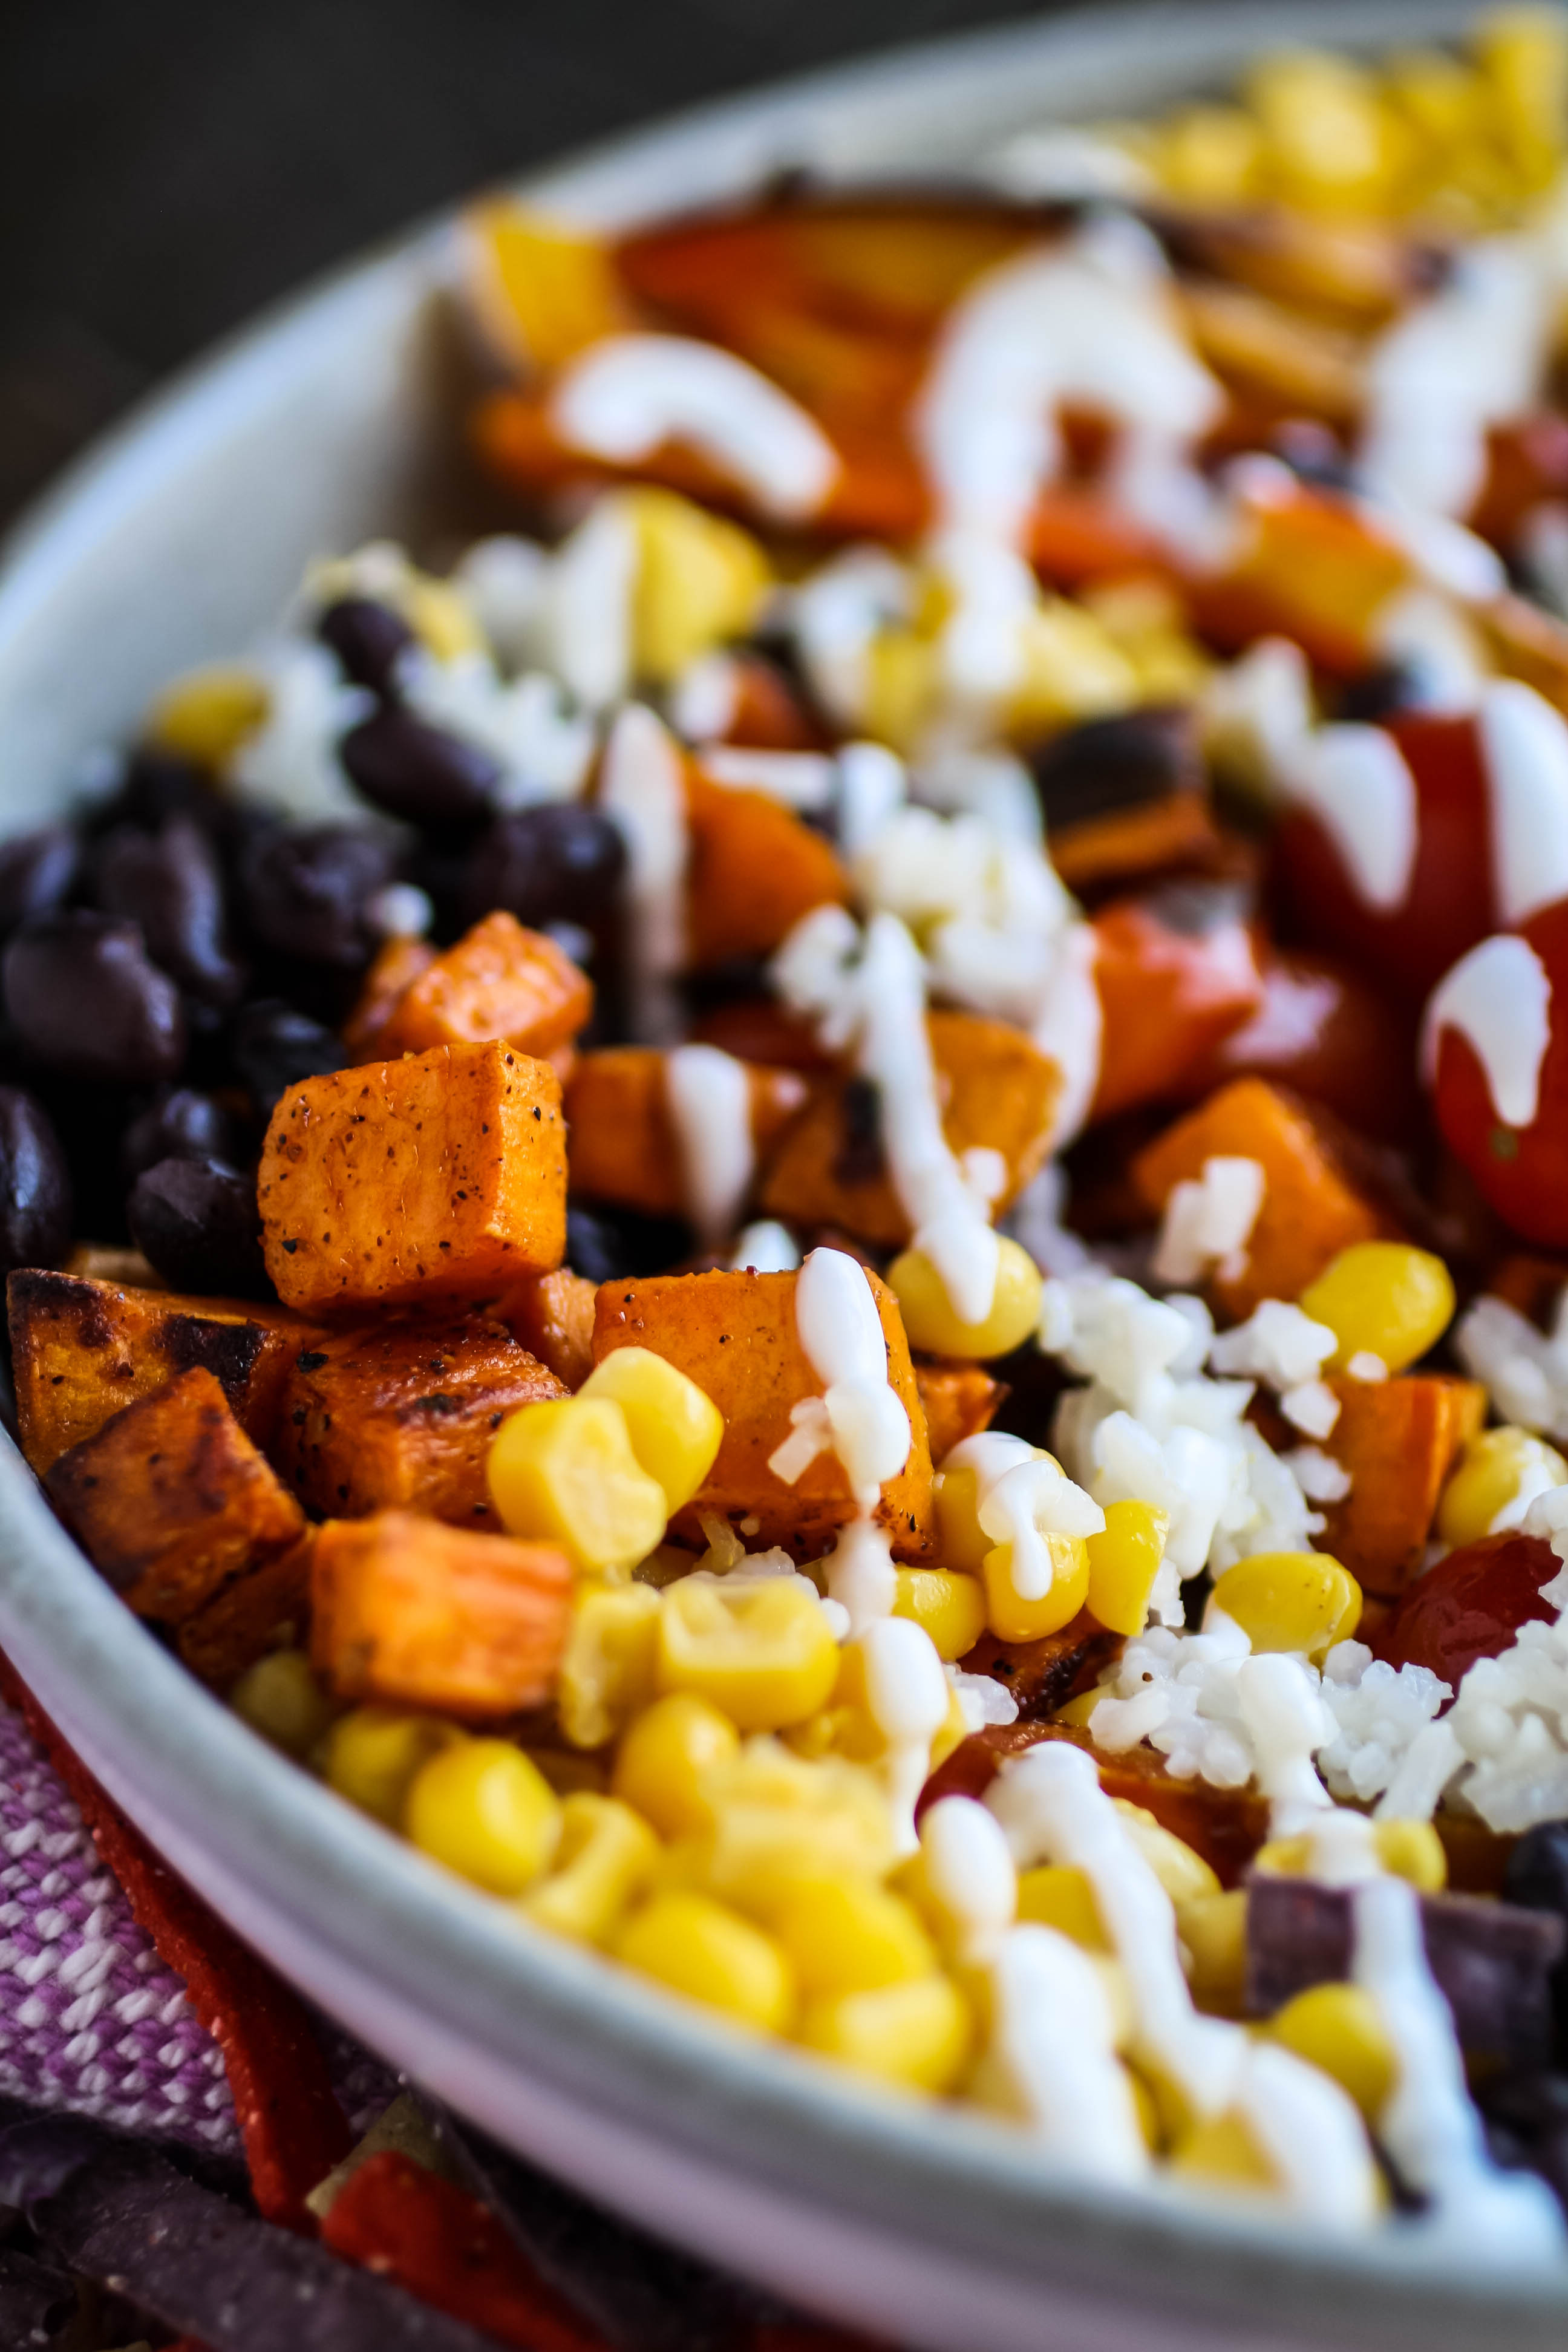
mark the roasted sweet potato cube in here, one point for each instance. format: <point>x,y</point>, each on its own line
<point>440,1177</point>
<point>1399,1440</point>
<point>958,1401</point>
<point>552,1315</point>
<point>80,1350</point>
<point>1311,1209</point>
<point>1169,993</point>
<point>399,964</point>
<point>499,982</point>
<point>622,1145</point>
<point>417,1614</point>
<point>264,1609</point>
<point>754,870</point>
<point>401,1416</point>
<point>998,1094</point>
<point>1533,1285</point>
<point>170,1501</point>
<point>1043,1674</point>
<point>734,1334</point>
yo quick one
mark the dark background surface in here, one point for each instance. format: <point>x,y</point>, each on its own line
<point>168,165</point>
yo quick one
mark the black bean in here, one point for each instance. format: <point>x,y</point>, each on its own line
<point>368,638</point>
<point>1107,764</point>
<point>196,1220</point>
<point>1536,1877</point>
<point>609,1244</point>
<point>418,772</point>
<point>35,1186</point>
<point>170,882</point>
<point>157,786</point>
<point>560,861</point>
<point>860,1158</point>
<point>1379,693</point>
<point>274,1046</point>
<point>83,998</point>
<point>180,1125</point>
<point>306,891</point>
<point>37,871</point>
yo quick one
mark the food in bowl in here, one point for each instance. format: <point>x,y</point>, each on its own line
<point>817,1220</point>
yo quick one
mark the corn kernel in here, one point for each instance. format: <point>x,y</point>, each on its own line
<point>206,715</point>
<point>675,1430</point>
<point>1382,1298</point>
<point>956,1492</point>
<point>543,291</point>
<point>1337,2027</point>
<point>776,1820</point>
<point>916,2036</point>
<point>1411,1850</point>
<point>1223,2147</point>
<point>1070,668</point>
<point>849,1935</point>
<point>1328,142</point>
<point>1013,1619</point>
<point>1123,1562</point>
<point>1209,154</point>
<point>1181,1869</point>
<point>1298,1600</point>
<point>665,1757</point>
<point>762,1654</point>
<point>700,582</point>
<point>1057,1894</point>
<point>930,1320</point>
<point>1076,1711</point>
<point>950,1607</point>
<point>605,1862</point>
<point>563,1471</point>
<point>487,1812</point>
<point>902,685</point>
<point>606,1674</point>
<point>1212,1930</point>
<point>374,1752</point>
<point>1494,1470</point>
<point>1523,54</point>
<point>952,1734</point>
<point>701,1948</point>
<point>279,1697</point>
<point>441,617</point>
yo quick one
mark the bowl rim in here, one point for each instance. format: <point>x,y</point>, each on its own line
<point>169,1751</point>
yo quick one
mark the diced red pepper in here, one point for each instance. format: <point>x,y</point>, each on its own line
<point>1471,1605</point>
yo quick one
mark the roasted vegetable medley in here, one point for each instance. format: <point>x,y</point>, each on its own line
<point>821,1211</point>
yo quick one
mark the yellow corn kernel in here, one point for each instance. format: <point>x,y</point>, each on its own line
<point>1299,1600</point>
<point>1444,102</point>
<point>950,1607</point>
<point>675,1430</point>
<point>1123,1562</point>
<point>665,1757</point>
<point>374,1752</point>
<point>1181,1869</point>
<point>606,1674</point>
<point>955,1731</point>
<point>701,1948</point>
<point>1523,54</point>
<point>543,291</point>
<point>1209,154</point>
<point>487,1812</point>
<point>1338,2028</point>
<point>700,582</point>
<point>1212,1930</point>
<point>1012,1619</point>
<point>441,617</point>
<point>1057,1894</point>
<point>1494,1468</point>
<point>563,1472</point>
<point>902,685</point>
<point>777,1820</point>
<point>206,715</point>
<point>849,1935</point>
<point>964,1542</point>
<point>1070,668</point>
<point>1076,1711</point>
<point>1223,2147</point>
<point>1411,1850</point>
<point>916,2036</point>
<point>605,1862</point>
<point>763,1654</point>
<point>279,1697</point>
<point>930,1320</point>
<point>1328,142</point>
<point>1384,1299</point>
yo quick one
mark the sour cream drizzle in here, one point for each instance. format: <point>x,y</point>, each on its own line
<point>1354,780</point>
<point>1022,1498</point>
<point>709,1098</point>
<point>643,789</point>
<point>1524,752</point>
<point>1499,999</point>
<point>629,395</point>
<point>908,1697</point>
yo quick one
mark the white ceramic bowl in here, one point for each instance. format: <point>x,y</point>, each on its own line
<point>179,538</point>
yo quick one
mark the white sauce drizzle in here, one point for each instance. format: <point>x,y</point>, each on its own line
<point>1499,999</point>
<point>588,607</point>
<point>909,1700</point>
<point>1356,780</point>
<point>643,788</point>
<point>1052,2058</point>
<point>708,1096</point>
<point>969,1870</point>
<point>766,1247</point>
<point>629,395</point>
<point>1022,1497</point>
<point>1524,752</point>
<point>705,698</point>
<point>1071,1029</point>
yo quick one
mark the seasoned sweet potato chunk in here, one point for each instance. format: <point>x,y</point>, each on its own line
<point>997,1091</point>
<point>1311,1209</point>
<point>399,964</point>
<point>80,1350</point>
<point>250,1615</point>
<point>754,870</point>
<point>406,1609</point>
<point>1398,1439</point>
<point>440,1177</point>
<point>172,1502</point>
<point>958,1401</point>
<point>734,1334</point>
<point>622,1142</point>
<point>500,980</point>
<point>400,1416</point>
<point>552,1315</point>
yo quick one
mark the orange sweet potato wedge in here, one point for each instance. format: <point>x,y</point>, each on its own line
<point>734,1334</point>
<point>500,980</point>
<point>1310,1210</point>
<point>399,964</point>
<point>1398,1439</point>
<point>754,870</point>
<point>401,1416</point>
<point>552,1315</point>
<point>82,1350</point>
<point>264,1609</point>
<point>998,1092</point>
<point>1044,1674</point>
<point>622,1143</point>
<point>172,1502</point>
<point>958,1400</point>
<point>414,1614</point>
<point>440,1176</point>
